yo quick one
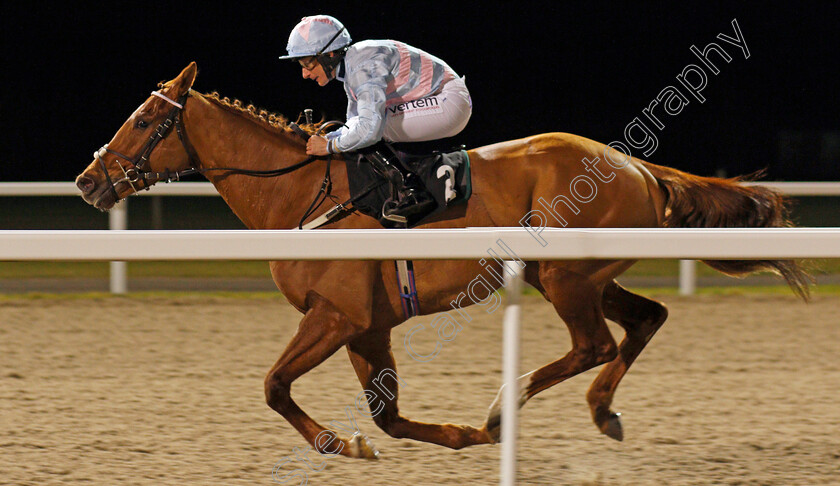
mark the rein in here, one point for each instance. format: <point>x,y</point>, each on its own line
<point>136,174</point>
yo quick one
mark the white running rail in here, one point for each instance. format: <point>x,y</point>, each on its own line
<point>470,243</point>
<point>118,217</point>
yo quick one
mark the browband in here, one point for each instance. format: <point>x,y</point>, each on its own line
<point>170,100</point>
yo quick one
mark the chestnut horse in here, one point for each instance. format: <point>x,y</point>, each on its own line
<point>356,303</point>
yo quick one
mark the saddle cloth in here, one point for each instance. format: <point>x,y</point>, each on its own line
<point>445,175</point>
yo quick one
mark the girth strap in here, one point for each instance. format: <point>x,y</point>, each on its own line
<point>408,290</point>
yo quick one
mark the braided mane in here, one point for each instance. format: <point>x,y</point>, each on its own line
<point>273,122</point>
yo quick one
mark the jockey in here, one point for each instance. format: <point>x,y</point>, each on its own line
<point>395,93</point>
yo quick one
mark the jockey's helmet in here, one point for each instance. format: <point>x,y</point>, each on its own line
<point>317,36</point>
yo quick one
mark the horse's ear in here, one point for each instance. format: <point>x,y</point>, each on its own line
<point>184,81</point>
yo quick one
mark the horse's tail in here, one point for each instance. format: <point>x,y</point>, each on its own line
<point>710,202</point>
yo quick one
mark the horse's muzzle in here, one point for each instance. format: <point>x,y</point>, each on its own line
<point>95,193</point>
<point>85,184</point>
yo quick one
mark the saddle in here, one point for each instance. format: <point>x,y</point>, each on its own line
<point>444,175</point>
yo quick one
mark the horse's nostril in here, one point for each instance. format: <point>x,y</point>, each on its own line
<point>85,184</point>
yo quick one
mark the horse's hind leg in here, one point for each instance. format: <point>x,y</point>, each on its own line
<point>641,318</point>
<point>578,302</point>
<point>374,364</point>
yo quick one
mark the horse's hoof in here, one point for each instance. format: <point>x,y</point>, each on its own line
<point>613,429</point>
<point>493,424</point>
<point>493,428</point>
<point>362,448</point>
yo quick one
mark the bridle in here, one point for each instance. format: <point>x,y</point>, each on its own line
<point>136,173</point>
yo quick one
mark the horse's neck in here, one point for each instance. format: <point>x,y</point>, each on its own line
<point>225,139</point>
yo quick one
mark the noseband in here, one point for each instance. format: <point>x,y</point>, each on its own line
<point>136,172</point>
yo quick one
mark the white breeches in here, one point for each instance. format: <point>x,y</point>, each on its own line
<point>439,116</point>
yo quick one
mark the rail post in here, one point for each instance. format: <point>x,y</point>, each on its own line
<point>688,277</point>
<point>510,363</point>
<point>118,220</point>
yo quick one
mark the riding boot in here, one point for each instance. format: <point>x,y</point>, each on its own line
<point>411,196</point>
<point>382,165</point>
<point>414,200</point>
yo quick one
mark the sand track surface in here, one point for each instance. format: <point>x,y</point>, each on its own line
<point>732,390</point>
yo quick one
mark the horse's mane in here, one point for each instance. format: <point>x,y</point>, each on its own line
<point>272,122</point>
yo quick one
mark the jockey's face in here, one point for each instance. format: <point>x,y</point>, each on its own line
<point>312,69</point>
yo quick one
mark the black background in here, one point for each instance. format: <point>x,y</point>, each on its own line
<point>73,72</point>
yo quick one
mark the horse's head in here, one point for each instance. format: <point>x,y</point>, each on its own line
<point>143,151</point>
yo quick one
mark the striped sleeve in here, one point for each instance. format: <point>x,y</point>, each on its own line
<point>370,81</point>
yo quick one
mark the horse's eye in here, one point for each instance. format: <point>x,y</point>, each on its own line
<point>142,124</point>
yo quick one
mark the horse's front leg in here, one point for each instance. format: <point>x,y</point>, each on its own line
<point>323,330</point>
<point>377,371</point>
